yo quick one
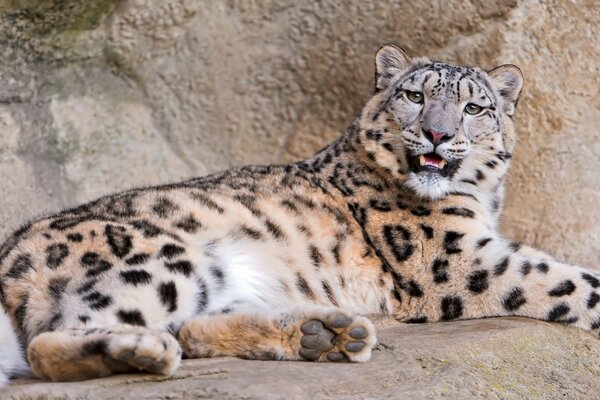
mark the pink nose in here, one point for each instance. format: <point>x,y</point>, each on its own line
<point>436,137</point>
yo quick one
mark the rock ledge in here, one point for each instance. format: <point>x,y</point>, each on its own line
<point>491,358</point>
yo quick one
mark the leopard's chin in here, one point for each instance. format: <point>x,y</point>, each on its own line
<point>430,185</point>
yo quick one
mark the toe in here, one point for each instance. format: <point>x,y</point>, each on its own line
<point>339,320</point>
<point>144,361</point>
<point>309,354</point>
<point>335,356</point>
<point>355,347</point>
<point>126,355</point>
<point>358,332</point>
<point>312,327</point>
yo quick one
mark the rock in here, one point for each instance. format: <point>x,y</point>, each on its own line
<point>507,358</point>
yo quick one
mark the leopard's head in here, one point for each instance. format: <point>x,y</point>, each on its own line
<point>438,128</point>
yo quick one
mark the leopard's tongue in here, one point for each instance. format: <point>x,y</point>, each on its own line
<point>432,159</point>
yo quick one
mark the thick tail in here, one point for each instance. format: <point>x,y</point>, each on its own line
<point>12,359</point>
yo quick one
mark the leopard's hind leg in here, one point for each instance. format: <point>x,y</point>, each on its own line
<point>78,354</point>
<point>311,333</point>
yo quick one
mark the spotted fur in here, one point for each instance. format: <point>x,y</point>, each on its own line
<point>279,262</point>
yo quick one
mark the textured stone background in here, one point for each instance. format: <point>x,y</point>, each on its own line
<point>97,96</point>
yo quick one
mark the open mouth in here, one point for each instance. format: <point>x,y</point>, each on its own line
<point>430,162</point>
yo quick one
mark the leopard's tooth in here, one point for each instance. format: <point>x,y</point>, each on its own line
<point>422,160</point>
<point>442,164</point>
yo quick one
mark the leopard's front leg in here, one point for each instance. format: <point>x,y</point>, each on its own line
<point>311,333</point>
<point>502,278</point>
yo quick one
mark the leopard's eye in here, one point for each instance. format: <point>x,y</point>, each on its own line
<point>415,97</point>
<point>473,109</point>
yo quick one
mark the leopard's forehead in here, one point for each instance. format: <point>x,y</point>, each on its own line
<point>449,71</point>
<point>447,80</point>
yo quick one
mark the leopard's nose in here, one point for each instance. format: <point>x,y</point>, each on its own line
<point>436,138</point>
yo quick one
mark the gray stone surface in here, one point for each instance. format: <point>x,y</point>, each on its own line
<point>498,358</point>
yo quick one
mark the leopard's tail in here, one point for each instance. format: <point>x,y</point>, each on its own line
<point>12,359</point>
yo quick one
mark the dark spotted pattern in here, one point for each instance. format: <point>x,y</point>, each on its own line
<point>122,206</point>
<point>427,230</point>
<point>592,280</point>
<point>380,205</point>
<point>94,347</point>
<point>315,256</point>
<point>274,230</point>
<point>515,246</point>
<point>440,270</point>
<point>21,313</point>
<point>119,240</point>
<point>167,293</point>
<point>335,250</point>
<point>478,281</point>
<point>57,287</point>
<point>481,243</point>
<point>459,211</point>
<point>514,299</point>
<point>329,292</point>
<point>542,267</point>
<point>414,289</point>
<point>201,296</point>
<point>181,267</point>
<point>131,317</point>
<point>98,301</point>
<point>303,287</point>
<point>558,311</point>
<point>398,239</point>
<point>417,320</point>
<point>452,307</point>
<point>55,254</point>
<point>75,237</point>
<point>171,251</point>
<point>526,268</point>
<point>137,259</point>
<point>86,287</point>
<point>65,223</point>
<point>251,233</point>
<point>94,264</point>
<point>564,288</point>
<point>451,242</point>
<point>420,211</point>
<point>20,267</point>
<point>188,224</point>
<point>205,201</point>
<point>164,207</point>
<point>218,275</point>
<point>148,229</point>
<point>593,300</point>
<point>501,267</point>
<point>136,277</point>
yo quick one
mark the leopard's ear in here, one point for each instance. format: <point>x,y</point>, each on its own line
<point>390,60</point>
<point>508,81</point>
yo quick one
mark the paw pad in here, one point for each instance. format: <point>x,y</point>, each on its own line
<point>337,337</point>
